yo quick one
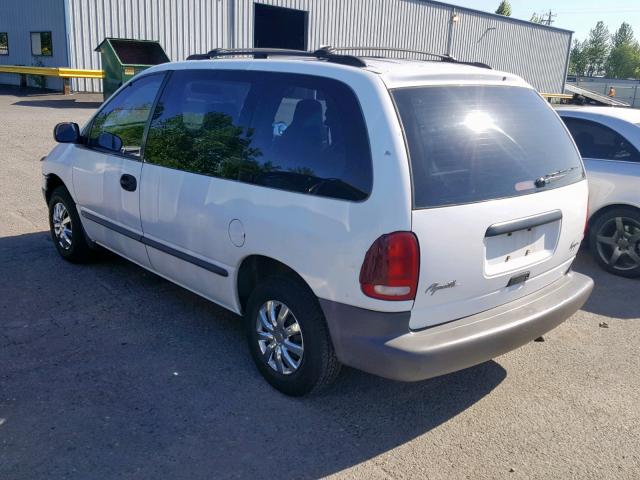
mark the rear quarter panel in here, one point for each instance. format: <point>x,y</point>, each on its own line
<point>325,240</point>
<point>612,183</point>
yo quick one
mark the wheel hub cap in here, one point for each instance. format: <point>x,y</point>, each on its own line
<point>62,228</point>
<point>279,337</point>
<point>618,243</point>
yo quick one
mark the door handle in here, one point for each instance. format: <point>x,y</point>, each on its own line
<point>128,182</point>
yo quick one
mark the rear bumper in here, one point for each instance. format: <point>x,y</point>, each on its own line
<point>382,344</point>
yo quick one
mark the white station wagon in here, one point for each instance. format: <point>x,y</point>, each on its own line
<point>406,218</point>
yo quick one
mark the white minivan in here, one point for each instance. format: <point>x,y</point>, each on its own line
<point>406,218</point>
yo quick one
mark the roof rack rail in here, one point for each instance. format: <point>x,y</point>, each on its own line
<point>442,57</point>
<point>330,54</point>
<point>322,54</point>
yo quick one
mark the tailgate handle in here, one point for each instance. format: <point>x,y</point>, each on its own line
<point>523,223</point>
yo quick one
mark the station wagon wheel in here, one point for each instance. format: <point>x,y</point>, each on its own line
<point>62,226</point>
<point>615,241</point>
<point>288,336</point>
<point>279,337</point>
<point>66,229</point>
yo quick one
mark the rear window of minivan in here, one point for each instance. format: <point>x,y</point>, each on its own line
<point>475,143</point>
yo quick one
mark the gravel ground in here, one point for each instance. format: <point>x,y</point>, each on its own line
<point>108,371</point>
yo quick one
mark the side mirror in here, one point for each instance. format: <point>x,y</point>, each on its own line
<point>109,141</point>
<point>67,132</point>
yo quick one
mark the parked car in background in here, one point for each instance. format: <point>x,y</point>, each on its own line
<point>609,141</point>
<point>400,217</point>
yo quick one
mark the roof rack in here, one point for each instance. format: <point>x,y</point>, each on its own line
<point>442,57</point>
<point>322,54</point>
<point>330,54</point>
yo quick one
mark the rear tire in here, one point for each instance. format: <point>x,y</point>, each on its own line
<point>614,241</point>
<point>66,229</point>
<point>288,337</point>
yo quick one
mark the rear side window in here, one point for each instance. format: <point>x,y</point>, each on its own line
<point>312,138</point>
<point>197,124</point>
<point>475,143</point>
<point>292,132</point>
<point>119,126</point>
<point>595,140</point>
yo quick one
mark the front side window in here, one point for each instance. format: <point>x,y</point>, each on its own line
<point>119,126</point>
<point>41,44</point>
<point>475,143</point>
<point>595,140</point>
<point>4,43</point>
<point>291,132</point>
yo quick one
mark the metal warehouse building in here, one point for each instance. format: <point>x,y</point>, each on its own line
<point>65,32</point>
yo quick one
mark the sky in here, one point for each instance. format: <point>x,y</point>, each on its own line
<point>577,15</point>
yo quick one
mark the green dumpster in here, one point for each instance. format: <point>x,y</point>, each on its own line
<point>122,58</point>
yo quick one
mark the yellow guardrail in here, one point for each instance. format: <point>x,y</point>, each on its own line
<point>61,72</point>
<point>557,95</point>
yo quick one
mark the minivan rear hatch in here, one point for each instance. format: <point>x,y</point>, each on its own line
<point>499,196</point>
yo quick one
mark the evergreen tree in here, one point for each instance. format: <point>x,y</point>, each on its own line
<point>624,59</point>
<point>597,49</point>
<point>577,60</point>
<point>504,8</point>
<point>623,36</point>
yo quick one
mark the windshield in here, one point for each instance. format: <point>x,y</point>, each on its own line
<point>474,143</point>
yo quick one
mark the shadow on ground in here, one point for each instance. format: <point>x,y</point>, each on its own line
<point>612,296</point>
<point>58,103</point>
<point>35,97</point>
<point>107,370</point>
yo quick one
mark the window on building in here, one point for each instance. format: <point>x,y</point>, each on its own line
<point>290,132</point>
<point>119,126</point>
<point>4,43</point>
<point>595,140</point>
<point>41,44</point>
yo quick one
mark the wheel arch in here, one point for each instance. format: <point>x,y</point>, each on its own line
<point>255,268</point>
<point>53,181</point>
<point>612,206</point>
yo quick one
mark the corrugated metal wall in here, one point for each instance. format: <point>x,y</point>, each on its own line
<point>537,53</point>
<point>411,24</point>
<point>21,17</point>
<point>181,26</point>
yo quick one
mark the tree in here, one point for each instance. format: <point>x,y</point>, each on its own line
<point>623,36</point>
<point>597,49</point>
<point>624,58</point>
<point>578,60</point>
<point>504,8</point>
<point>544,18</point>
<point>535,18</point>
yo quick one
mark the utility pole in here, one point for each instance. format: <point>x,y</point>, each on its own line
<point>548,18</point>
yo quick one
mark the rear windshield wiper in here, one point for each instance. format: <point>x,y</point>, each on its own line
<point>549,177</point>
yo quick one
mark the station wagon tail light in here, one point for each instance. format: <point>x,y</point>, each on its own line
<point>390,267</point>
<point>586,220</point>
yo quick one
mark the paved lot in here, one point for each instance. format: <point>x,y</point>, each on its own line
<point>107,371</point>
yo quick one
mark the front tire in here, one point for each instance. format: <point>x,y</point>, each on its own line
<point>288,337</point>
<point>614,240</point>
<point>66,229</point>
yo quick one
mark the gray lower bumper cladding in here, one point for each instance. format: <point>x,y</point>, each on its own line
<point>382,344</point>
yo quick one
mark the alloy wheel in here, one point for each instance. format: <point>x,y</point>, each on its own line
<point>618,243</point>
<point>279,337</point>
<point>62,227</point>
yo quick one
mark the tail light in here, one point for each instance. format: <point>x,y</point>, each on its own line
<point>586,220</point>
<point>390,267</point>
